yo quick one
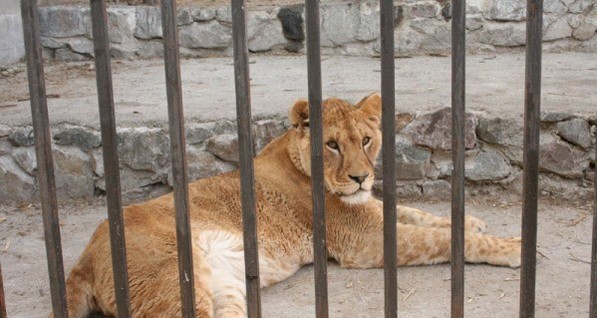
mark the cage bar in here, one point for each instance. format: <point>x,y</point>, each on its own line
<point>532,105</point>
<point>458,128</point>
<point>105,95</point>
<point>388,93</point>
<point>593,295</point>
<point>245,141</point>
<point>179,164</point>
<point>2,298</point>
<point>316,133</point>
<point>43,152</point>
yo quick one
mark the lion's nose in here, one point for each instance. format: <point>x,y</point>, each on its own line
<point>359,179</point>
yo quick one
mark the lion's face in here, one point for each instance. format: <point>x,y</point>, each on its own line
<point>352,141</point>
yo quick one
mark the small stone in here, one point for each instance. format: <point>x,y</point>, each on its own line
<point>424,10</point>
<point>199,132</point>
<point>292,22</point>
<point>563,159</point>
<point>224,147</point>
<point>144,148</point>
<point>26,159</point>
<point>5,147</point>
<point>576,131</point>
<point>552,117</point>
<point>97,162</point>
<point>184,16</point>
<point>434,130</point>
<point>204,14</point>
<point>412,163</point>
<point>5,131</point>
<point>81,137</point>
<point>207,35</point>
<point>488,165</point>
<point>501,131</point>
<point>447,11</point>
<point>223,14</point>
<point>22,137</point>
<point>15,185</point>
<point>73,172</point>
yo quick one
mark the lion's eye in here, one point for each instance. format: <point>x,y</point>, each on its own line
<point>332,144</point>
<point>366,141</point>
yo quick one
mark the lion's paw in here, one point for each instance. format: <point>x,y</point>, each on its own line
<point>475,225</point>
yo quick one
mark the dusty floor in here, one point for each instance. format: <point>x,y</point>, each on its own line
<point>562,273</point>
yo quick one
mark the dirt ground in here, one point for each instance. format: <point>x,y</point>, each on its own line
<point>563,270</point>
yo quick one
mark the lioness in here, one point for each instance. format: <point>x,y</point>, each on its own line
<point>283,192</point>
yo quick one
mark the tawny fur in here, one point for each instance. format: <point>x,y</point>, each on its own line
<point>282,184</point>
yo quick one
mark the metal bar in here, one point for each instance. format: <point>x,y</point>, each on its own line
<point>43,151</point>
<point>532,105</point>
<point>245,140</point>
<point>316,132</point>
<point>2,299</point>
<point>179,164</point>
<point>105,97</point>
<point>458,126</point>
<point>388,93</point>
<point>593,306</point>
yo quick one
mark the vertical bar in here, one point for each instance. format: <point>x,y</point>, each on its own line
<point>388,92</point>
<point>458,123</point>
<point>2,299</point>
<point>316,132</point>
<point>43,152</point>
<point>105,97</point>
<point>245,139</point>
<point>179,164</point>
<point>532,105</point>
<point>593,306</point>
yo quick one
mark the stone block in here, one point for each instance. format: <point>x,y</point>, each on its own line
<point>149,23</point>
<point>22,137</point>
<point>204,164</point>
<point>143,148</point>
<point>81,137</point>
<point>412,162</point>
<point>434,130</point>
<point>576,131</point>
<point>264,31</point>
<point>503,34</point>
<point>206,35</point>
<point>440,189</point>
<point>488,165</point>
<point>563,159</point>
<point>292,22</point>
<point>264,131</point>
<point>204,14</point>
<point>339,24</point>
<point>64,21</point>
<point>26,159</point>
<point>501,131</point>
<point>368,22</point>
<point>424,10</point>
<point>197,133</point>
<point>15,184</point>
<point>224,147</point>
<point>122,22</point>
<point>558,29</point>
<point>5,131</point>
<point>73,172</point>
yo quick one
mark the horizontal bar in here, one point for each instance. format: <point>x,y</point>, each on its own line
<point>532,103</point>
<point>458,123</point>
<point>179,164</point>
<point>105,95</point>
<point>593,305</point>
<point>316,132</point>
<point>388,93</point>
<point>43,152</point>
<point>245,140</point>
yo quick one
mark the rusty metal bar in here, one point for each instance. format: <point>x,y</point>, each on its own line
<point>2,298</point>
<point>532,103</point>
<point>43,151</point>
<point>388,93</point>
<point>179,164</point>
<point>458,126</point>
<point>245,142</point>
<point>593,306</point>
<point>316,132</point>
<point>105,95</point>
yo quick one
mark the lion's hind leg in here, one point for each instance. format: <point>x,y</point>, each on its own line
<point>418,217</point>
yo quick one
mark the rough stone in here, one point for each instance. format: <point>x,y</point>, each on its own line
<point>558,29</point>
<point>197,133</point>
<point>5,147</point>
<point>402,120</point>
<point>488,165</point>
<point>4,131</point>
<point>503,34</point>
<point>204,164</point>
<point>563,159</point>
<point>438,34</point>
<point>80,45</point>
<point>97,162</point>
<point>581,6</point>
<point>424,10</point>
<point>554,6</point>
<point>26,159</point>
<point>368,22</point>
<point>133,180</point>
<point>407,190</point>
<point>504,10</point>
<point>440,189</point>
<point>207,35</point>
<point>292,22</point>
<point>65,54</point>
<point>51,43</point>
<point>224,147</point>
<point>223,14</point>
<point>575,131</point>
<point>501,131</point>
<point>64,21</point>
<point>143,148</point>
<point>81,137</point>
<point>339,24</point>
<point>552,117</point>
<point>184,16</point>
<point>264,131</point>
<point>587,26</point>
<point>447,10</point>
<point>434,130</point>
<point>122,22</point>
<point>264,31</point>
<point>412,163</point>
<point>474,22</point>
<point>22,137</point>
<point>204,14</point>
<point>15,185</point>
<point>149,23</point>
<point>73,172</point>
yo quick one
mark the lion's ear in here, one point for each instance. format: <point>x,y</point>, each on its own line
<point>299,114</point>
<point>371,105</point>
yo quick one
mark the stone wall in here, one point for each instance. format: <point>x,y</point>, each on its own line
<point>12,47</point>
<point>422,27</point>
<point>493,157</point>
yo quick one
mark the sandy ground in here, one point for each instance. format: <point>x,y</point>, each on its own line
<point>563,269</point>
<point>495,85</point>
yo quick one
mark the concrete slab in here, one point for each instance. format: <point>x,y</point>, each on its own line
<point>495,84</point>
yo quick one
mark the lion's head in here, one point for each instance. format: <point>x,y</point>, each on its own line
<point>351,139</point>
